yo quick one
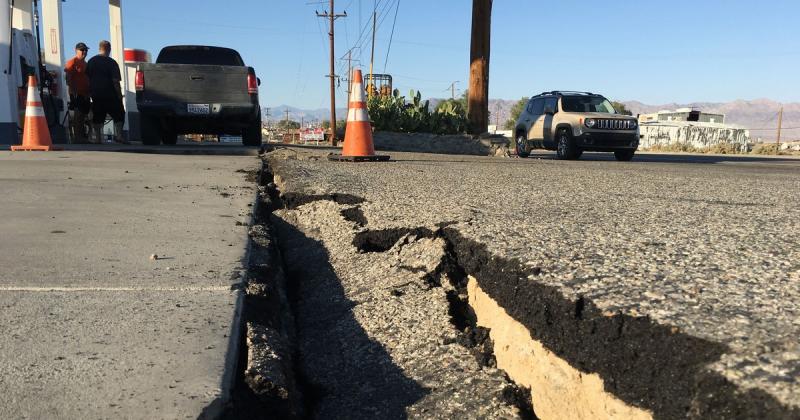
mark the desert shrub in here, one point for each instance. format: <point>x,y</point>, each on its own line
<point>395,113</point>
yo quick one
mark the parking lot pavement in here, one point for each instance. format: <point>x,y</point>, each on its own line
<point>93,327</point>
<point>675,279</point>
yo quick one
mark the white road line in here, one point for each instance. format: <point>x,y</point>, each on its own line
<point>115,289</point>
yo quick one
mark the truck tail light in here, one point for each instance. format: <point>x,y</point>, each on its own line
<point>139,81</point>
<point>252,84</point>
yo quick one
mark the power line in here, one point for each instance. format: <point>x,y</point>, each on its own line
<point>380,7</point>
<point>391,37</point>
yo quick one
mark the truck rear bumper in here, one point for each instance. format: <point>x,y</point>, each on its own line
<point>245,112</point>
<point>220,119</point>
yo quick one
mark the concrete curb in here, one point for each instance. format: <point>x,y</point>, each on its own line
<point>217,408</point>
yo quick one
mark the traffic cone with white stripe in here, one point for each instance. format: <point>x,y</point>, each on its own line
<point>358,146</point>
<point>36,135</point>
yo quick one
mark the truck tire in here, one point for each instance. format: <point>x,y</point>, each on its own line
<point>150,130</point>
<point>169,136</point>
<point>251,136</point>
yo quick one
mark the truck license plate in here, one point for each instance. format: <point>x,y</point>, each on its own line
<point>203,109</point>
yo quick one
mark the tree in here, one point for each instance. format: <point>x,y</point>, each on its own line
<point>515,111</point>
<point>478,106</point>
<point>290,125</point>
<point>326,124</point>
<point>620,108</point>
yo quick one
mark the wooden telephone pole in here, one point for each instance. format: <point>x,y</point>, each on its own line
<point>478,101</point>
<point>332,75</point>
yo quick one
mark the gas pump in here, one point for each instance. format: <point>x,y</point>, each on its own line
<point>22,54</point>
<point>49,82</point>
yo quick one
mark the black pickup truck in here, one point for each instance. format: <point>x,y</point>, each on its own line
<point>198,89</point>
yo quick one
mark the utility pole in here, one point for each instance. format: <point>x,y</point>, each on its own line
<point>332,75</point>
<point>497,116</point>
<point>780,122</point>
<point>372,55</point>
<point>452,89</point>
<point>286,127</point>
<point>478,104</point>
<point>268,115</point>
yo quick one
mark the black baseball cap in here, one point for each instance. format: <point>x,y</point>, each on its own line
<point>81,46</point>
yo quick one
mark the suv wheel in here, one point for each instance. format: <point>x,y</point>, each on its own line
<point>624,155</point>
<point>523,150</point>
<point>565,146</point>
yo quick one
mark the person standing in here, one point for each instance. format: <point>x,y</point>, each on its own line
<point>104,82</point>
<point>79,93</point>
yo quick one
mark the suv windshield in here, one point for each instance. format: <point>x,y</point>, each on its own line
<point>586,104</point>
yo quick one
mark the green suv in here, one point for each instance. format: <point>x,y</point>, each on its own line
<point>573,122</point>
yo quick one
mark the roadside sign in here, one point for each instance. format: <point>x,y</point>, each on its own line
<point>315,135</point>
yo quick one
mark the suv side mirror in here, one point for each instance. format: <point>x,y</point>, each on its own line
<point>258,79</point>
<point>549,111</point>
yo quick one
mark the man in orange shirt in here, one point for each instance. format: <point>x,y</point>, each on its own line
<point>79,94</point>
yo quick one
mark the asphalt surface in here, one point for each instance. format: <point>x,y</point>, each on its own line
<point>374,336</point>
<point>92,327</point>
<point>696,251</point>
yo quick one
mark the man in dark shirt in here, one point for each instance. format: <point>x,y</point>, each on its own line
<point>104,83</point>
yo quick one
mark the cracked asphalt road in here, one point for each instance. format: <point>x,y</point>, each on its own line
<point>706,247</point>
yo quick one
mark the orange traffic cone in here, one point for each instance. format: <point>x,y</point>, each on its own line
<point>358,146</point>
<point>36,135</point>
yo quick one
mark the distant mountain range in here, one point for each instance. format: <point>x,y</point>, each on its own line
<point>759,115</point>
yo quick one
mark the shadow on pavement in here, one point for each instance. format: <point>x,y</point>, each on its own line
<point>679,158</point>
<point>343,373</point>
<point>182,148</point>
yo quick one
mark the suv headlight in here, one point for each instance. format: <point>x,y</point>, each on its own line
<point>590,122</point>
<point>634,123</point>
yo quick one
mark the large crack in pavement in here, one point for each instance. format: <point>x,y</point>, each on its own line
<point>383,327</point>
<point>333,332</point>
<point>374,333</point>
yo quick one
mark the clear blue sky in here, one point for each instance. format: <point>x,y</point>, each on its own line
<point>652,51</point>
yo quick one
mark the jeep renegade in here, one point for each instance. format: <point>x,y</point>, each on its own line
<point>573,122</point>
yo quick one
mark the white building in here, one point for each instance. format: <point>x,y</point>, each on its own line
<point>694,128</point>
<point>683,114</point>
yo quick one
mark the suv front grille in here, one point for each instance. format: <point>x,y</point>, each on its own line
<point>614,124</point>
